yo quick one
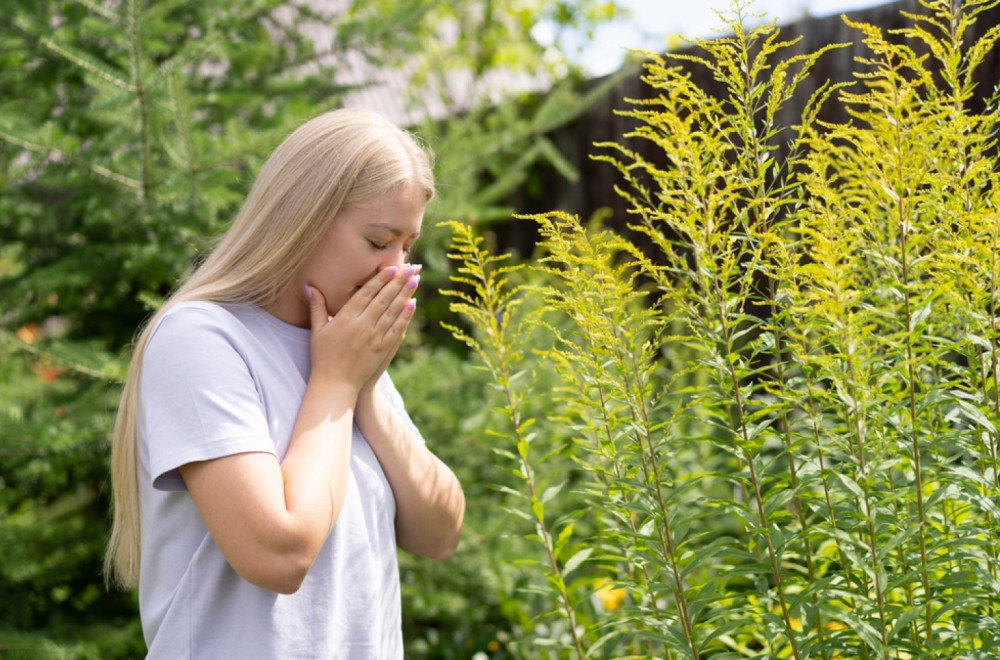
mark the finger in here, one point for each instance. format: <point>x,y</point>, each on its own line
<point>393,298</point>
<point>394,291</point>
<point>318,314</point>
<point>394,321</point>
<point>369,291</point>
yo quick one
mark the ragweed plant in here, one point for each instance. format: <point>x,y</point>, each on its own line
<point>716,216</point>
<point>492,304</point>
<point>605,352</point>
<point>785,401</point>
<point>901,205</point>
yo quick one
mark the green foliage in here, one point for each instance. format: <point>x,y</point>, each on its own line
<point>783,408</point>
<point>129,135</point>
<point>463,606</point>
<point>54,502</point>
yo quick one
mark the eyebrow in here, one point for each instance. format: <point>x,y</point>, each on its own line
<point>394,231</point>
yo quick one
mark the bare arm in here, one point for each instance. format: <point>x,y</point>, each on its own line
<point>430,503</point>
<point>270,520</point>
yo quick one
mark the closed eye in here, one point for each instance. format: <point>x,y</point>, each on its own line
<point>407,249</point>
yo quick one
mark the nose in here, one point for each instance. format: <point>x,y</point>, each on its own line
<point>393,257</point>
<point>398,257</point>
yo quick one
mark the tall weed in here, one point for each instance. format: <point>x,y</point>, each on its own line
<point>774,431</point>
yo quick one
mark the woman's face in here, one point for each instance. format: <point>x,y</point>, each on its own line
<point>362,240</point>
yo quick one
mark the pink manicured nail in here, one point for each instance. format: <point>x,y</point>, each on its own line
<point>391,270</point>
<point>410,270</point>
<point>309,293</point>
<point>411,304</point>
<point>414,281</point>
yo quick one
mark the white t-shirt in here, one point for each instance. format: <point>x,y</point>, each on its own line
<point>218,381</point>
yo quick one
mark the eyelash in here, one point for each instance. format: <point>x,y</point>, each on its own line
<point>382,246</point>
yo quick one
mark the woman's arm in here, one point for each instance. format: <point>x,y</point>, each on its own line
<point>430,503</point>
<point>270,520</point>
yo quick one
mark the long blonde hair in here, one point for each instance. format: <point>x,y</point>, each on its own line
<point>335,160</point>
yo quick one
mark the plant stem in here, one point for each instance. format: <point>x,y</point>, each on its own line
<point>867,512</point>
<point>821,455</point>
<point>664,531</point>
<point>502,370</point>
<point>754,479</point>
<point>542,527</point>
<point>915,436</point>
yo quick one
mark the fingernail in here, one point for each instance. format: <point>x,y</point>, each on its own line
<point>309,293</point>
<point>414,281</point>
<point>410,270</point>
<point>411,304</point>
<point>391,270</point>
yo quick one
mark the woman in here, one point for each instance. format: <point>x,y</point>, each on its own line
<point>264,469</point>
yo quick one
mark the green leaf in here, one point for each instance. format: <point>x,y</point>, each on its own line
<point>576,560</point>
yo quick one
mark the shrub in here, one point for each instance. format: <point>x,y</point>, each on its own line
<point>775,425</point>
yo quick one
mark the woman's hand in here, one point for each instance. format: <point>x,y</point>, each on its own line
<point>357,344</point>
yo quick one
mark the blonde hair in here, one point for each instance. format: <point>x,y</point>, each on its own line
<point>333,161</point>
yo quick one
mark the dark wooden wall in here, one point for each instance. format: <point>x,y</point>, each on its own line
<point>595,189</point>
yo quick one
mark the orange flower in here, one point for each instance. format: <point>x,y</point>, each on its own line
<point>28,333</point>
<point>46,373</point>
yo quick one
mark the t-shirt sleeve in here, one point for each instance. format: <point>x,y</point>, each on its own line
<point>197,396</point>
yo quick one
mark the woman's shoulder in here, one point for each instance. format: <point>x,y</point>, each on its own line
<point>192,319</point>
<point>194,310</point>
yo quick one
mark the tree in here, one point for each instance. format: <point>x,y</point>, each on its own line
<point>129,132</point>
